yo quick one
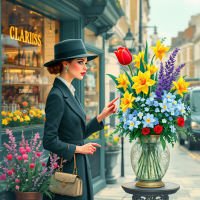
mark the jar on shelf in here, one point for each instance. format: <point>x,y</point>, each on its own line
<point>12,107</point>
<point>7,76</point>
<point>39,79</point>
<point>4,107</point>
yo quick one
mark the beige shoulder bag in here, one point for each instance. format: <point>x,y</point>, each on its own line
<point>67,184</point>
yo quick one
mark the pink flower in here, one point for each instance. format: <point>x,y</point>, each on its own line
<point>10,172</point>
<point>17,180</point>
<point>19,158</point>
<point>28,149</point>
<point>13,169</point>
<point>17,187</point>
<point>21,148</point>
<point>3,177</point>
<point>23,151</point>
<point>25,156</point>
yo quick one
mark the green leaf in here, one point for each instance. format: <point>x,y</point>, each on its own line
<point>156,79</point>
<point>146,53</point>
<point>116,82</point>
<point>141,66</point>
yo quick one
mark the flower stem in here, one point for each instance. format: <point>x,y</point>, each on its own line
<point>130,70</point>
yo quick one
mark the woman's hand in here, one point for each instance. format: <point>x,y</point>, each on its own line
<point>109,109</point>
<point>87,148</point>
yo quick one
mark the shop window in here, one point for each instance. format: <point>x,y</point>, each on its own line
<point>92,92</point>
<point>27,41</point>
<point>91,39</point>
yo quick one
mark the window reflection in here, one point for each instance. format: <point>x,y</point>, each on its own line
<point>91,84</point>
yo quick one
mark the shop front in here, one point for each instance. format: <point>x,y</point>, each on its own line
<point>29,31</point>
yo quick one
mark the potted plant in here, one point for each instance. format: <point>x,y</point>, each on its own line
<point>24,171</point>
<point>112,150</point>
<point>151,111</point>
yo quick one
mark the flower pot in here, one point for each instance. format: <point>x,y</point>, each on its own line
<point>110,163</point>
<point>150,162</point>
<point>28,195</point>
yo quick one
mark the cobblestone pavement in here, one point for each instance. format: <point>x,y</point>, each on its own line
<point>184,169</point>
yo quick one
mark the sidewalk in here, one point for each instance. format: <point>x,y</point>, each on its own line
<point>183,170</point>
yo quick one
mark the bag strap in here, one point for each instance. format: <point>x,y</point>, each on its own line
<point>75,168</point>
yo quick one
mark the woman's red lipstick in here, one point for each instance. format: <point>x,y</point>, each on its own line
<point>83,73</point>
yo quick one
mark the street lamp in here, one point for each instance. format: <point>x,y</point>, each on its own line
<point>128,40</point>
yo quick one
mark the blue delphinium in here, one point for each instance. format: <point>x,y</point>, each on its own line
<point>165,106</point>
<point>157,110</point>
<point>172,128</point>
<point>156,121</point>
<point>140,115</point>
<point>170,119</point>
<point>138,99</point>
<point>146,109</point>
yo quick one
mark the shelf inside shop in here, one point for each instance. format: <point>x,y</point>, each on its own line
<point>20,67</point>
<point>36,84</point>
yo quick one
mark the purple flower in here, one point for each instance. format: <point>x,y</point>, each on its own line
<point>24,170</point>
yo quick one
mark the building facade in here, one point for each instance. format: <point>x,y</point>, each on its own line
<point>29,31</point>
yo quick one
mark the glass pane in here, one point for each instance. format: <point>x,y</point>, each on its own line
<point>91,84</point>
<point>27,40</point>
<point>91,39</point>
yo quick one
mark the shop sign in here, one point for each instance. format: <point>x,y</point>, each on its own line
<point>25,36</point>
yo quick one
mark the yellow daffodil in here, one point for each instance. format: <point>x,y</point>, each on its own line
<point>21,119</point>
<point>159,50</point>
<point>181,86</point>
<point>142,82</point>
<point>122,81</point>
<point>111,131</point>
<point>152,68</point>
<point>105,127</point>
<point>10,114</point>
<point>127,101</point>
<point>106,135</point>
<point>137,59</point>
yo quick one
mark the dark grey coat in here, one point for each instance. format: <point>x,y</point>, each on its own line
<point>66,119</point>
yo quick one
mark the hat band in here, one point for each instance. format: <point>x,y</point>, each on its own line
<point>66,54</point>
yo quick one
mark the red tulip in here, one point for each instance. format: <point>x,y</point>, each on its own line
<point>38,154</point>
<point>43,164</point>
<point>21,148</point>
<point>13,169</point>
<point>123,55</point>
<point>10,172</point>
<point>55,165</point>
<point>19,157</point>
<point>32,165</point>
<point>9,156</point>
<point>23,151</point>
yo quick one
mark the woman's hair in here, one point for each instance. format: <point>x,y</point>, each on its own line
<point>57,67</point>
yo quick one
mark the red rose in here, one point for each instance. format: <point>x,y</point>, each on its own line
<point>180,121</point>
<point>9,156</point>
<point>43,164</point>
<point>38,154</point>
<point>32,165</point>
<point>10,172</point>
<point>13,169</point>
<point>158,129</point>
<point>145,130</point>
<point>123,55</point>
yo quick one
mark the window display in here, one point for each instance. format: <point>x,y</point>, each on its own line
<point>25,83</point>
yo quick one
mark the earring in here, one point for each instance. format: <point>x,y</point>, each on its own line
<point>66,68</point>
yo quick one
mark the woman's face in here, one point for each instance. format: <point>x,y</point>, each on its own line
<point>77,67</point>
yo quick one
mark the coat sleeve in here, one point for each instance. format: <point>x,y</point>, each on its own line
<point>54,111</point>
<point>93,126</point>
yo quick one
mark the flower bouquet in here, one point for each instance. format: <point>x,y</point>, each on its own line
<point>24,171</point>
<point>151,110</point>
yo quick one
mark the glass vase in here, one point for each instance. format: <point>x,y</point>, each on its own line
<point>149,161</point>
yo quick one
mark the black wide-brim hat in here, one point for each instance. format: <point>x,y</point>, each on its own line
<point>68,49</point>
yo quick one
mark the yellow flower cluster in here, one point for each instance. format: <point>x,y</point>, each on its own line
<point>19,117</point>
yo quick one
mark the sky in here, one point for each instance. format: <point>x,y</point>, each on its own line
<point>171,16</point>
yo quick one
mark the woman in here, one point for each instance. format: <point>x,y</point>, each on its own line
<point>65,117</point>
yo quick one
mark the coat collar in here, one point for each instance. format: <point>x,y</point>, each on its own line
<point>69,98</point>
